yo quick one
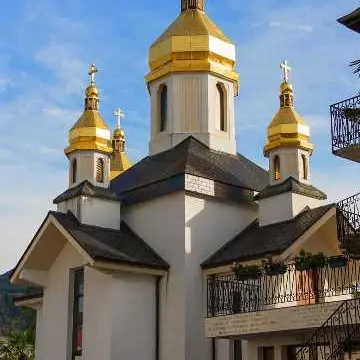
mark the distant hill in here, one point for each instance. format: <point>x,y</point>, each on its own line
<point>12,317</point>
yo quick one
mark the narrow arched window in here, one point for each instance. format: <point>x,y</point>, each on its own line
<point>222,106</point>
<point>277,173</point>
<point>100,170</point>
<point>163,107</point>
<point>73,171</point>
<point>304,167</point>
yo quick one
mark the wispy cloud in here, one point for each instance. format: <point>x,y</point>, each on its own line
<point>291,26</point>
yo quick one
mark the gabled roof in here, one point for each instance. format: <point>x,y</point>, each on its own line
<point>258,241</point>
<point>122,246</point>
<point>195,158</point>
<point>352,20</point>
<point>86,188</point>
<point>97,244</point>
<point>291,185</point>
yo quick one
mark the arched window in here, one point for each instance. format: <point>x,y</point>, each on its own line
<point>222,106</point>
<point>277,173</point>
<point>100,170</point>
<point>73,171</point>
<point>163,107</point>
<point>304,167</point>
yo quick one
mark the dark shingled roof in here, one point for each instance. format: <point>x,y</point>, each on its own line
<point>352,20</point>
<point>195,158</point>
<point>291,185</point>
<point>256,242</point>
<point>120,246</point>
<point>86,188</point>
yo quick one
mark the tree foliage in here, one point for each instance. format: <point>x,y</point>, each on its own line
<point>18,346</point>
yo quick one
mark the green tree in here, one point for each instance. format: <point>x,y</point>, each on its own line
<point>18,346</point>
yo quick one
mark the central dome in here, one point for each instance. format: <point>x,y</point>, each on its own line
<point>192,43</point>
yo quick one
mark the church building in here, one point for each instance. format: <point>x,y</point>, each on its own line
<point>194,252</point>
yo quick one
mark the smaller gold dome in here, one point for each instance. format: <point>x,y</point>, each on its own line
<point>286,87</point>
<point>90,132</point>
<point>92,91</point>
<point>287,128</point>
<point>118,133</point>
<point>119,159</point>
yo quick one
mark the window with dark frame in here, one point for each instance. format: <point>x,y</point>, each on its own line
<point>222,105</point>
<point>266,353</point>
<point>73,171</point>
<point>100,170</point>
<point>237,350</point>
<point>163,107</point>
<point>78,304</point>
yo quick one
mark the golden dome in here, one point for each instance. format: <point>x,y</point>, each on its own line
<point>192,43</point>
<point>119,160</point>
<point>92,91</point>
<point>287,128</point>
<point>90,132</point>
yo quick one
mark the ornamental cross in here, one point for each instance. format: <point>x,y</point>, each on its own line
<point>286,68</point>
<point>118,113</point>
<point>92,72</point>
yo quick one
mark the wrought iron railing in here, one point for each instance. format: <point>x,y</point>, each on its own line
<point>345,124</point>
<point>227,295</point>
<point>337,336</point>
<point>348,224</point>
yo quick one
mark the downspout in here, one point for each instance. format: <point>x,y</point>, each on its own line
<point>157,318</point>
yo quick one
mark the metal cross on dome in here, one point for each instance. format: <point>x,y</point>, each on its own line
<point>92,72</point>
<point>118,113</point>
<point>286,68</point>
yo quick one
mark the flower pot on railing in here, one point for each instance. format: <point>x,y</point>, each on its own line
<point>337,261</point>
<point>247,272</point>
<point>352,114</point>
<point>308,261</point>
<point>274,268</point>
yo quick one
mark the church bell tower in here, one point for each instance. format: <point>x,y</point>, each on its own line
<point>192,83</point>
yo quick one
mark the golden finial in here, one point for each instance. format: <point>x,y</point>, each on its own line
<point>92,92</point>
<point>192,4</point>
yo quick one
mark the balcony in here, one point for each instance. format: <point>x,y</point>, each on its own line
<point>348,224</point>
<point>345,128</point>
<point>297,299</point>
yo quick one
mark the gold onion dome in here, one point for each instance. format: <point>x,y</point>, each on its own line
<point>193,43</point>
<point>90,132</point>
<point>287,128</point>
<point>119,160</point>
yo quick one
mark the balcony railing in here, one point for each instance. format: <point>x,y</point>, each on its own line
<point>348,224</point>
<point>228,295</point>
<point>345,125</point>
<point>340,334</point>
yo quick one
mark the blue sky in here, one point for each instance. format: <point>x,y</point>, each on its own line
<point>46,47</point>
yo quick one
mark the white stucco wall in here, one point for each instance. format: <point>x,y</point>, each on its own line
<point>209,224</point>
<point>86,167</point>
<point>72,205</point>
<point>55,338</point>
<point>160,222</point>
<point>119,316</point>
<point>193,109</point>
<point>284,207</point>
<point>290,164</point>
<point>133,317</point>
<point>38,333</point>
<point>100,212</point>
<point>185,230</point>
